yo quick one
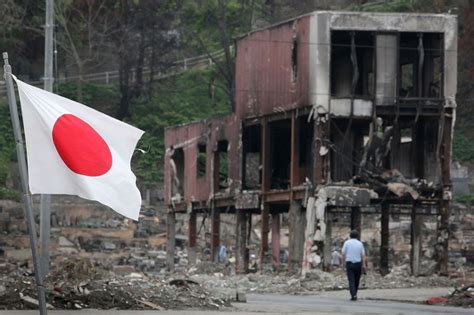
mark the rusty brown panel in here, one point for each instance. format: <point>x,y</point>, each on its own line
<point>209,132</point>
<point>264,69</point>
<point>275,196</point>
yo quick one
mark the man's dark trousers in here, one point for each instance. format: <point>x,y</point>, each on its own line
<point>354,271</point>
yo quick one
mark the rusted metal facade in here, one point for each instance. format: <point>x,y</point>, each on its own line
<point>333,112</point>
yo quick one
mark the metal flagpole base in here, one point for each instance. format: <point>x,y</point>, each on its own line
<point>20,151</point>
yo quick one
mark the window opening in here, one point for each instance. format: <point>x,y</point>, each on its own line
<point>294,60</point>
<point>280,153</point>
<point>251,139</point>
<point>305,141</point>
<point>177,171</point>
<point>201,160</point>
<point>420,56</point>
<point>347,148</point>
<point>352,55</point>
<point>222,167</point>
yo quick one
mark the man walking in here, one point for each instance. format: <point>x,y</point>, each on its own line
<point>354,256</point>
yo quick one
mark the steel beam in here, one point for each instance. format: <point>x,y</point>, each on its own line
<point>171,239</point>
<point>276,241</point>
<point>192,238</point>
<point>384,238</point>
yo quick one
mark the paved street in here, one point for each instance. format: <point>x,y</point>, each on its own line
<point>334,302</point>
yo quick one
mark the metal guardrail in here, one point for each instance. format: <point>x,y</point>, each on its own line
<point>107,77</point>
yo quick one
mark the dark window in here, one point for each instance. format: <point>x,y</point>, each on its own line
<point>201,160</point>
<point>294,60</point>
<point>420,56</point>
<point>251,139</point>
<point>222,165</point>
<point>352,61</point>
<point>305,139</point>
<point>280,153</point>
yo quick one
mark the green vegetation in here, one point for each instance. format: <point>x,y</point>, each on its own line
<point>103,97</point>
<point>7,144</point>
<point>184,99</point>
<point>192,96</point>
<point>152,35</point>
<point>9,193</point>
<point>463,150</point>
<point>388,6</point>
<point>467,200</point>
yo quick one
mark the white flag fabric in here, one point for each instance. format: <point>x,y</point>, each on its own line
<point>75,150</point>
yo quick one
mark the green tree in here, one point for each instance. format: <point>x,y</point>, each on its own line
<point>209,26</point>
<point>84,27</point>
<point>144,40</point>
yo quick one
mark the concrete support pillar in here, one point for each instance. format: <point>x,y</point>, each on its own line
<point>356,222</point>
<point>416,226</point>
<point>192,238</point>
<point>264,235</point>
<point>320,162</point>
<point>171,239</point>
<point>327,247</point>
<point>384,238</point>
<point>241,248</point>
<point>215,234</point>
<point>443,237</point>
<point>276,241</point>
<point>296,221</point>
<point>445,155</point>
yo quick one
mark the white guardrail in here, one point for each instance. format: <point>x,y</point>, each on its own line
<point>107,77</point>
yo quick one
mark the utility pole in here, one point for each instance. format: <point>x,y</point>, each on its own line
<point>45,203</point>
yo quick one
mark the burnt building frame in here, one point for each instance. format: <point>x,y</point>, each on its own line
<point>295,147</point>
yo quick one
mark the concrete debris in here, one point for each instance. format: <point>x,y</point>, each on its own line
<point>122,264</point>
<point>401,189</point>
<point>462,297</point>
<point>89,286</point>
<point>33,303</point>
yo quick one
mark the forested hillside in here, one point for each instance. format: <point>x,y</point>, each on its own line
<point>142,40</point>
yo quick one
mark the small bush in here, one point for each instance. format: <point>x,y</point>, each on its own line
<point>463,150</point>
<point>467,200</point>
<point>10,194</point>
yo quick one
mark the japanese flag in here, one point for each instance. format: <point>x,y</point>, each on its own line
<point>75,150</point>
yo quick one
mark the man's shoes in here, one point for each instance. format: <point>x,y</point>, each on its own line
<point>354,298</point>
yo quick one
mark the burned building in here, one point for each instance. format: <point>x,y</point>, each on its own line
<point>335,113</point>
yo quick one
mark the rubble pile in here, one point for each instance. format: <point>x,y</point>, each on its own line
<point>81,284</point>
<point>462,297</point>
<point>316,280</point>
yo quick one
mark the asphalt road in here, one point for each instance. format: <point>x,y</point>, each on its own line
<point>284,304</point>
<point>336,302</point>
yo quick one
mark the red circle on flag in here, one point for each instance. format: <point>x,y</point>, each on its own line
<point>83,150</point>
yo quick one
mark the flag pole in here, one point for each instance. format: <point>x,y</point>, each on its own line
<point>45,201</point>
<point>26,197</point>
